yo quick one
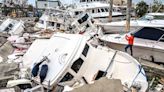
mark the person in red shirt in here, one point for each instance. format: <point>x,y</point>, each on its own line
<point>130,40</point>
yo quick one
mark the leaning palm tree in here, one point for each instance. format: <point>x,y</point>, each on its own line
<point>141,8</point>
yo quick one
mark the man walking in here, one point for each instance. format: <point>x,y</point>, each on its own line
<point>130,40</point>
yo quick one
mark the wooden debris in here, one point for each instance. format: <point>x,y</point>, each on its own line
<point>161,81</point>
<point>152,67</point>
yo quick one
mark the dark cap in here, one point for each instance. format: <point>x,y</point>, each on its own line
<point>132,34</point>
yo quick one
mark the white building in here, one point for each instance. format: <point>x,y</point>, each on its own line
<point>42,4</point>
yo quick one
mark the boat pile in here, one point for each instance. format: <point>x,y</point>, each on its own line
<point>64,54</point>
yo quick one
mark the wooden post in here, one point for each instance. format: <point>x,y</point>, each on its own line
<point>110,10</point>
<point>128,15</point>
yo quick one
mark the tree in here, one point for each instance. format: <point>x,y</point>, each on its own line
<point>141,8</point>
<point>157,6</point>
<point>4,10</point>
<point>30,8</point>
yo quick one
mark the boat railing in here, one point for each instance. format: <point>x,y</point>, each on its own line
<point>38,88</point>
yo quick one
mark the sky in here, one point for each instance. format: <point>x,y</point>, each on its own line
<point>147,1</point>
<point>31,2</point>
<point>134,1</point>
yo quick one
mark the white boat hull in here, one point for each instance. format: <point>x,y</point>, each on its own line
<point>141,52</point>
<point>120,26</point>
<point>65,50</point>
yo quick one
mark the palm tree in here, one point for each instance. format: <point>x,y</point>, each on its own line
<point>141,8</point>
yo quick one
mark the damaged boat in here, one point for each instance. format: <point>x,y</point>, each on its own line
<point>52,19</point>
<point>148,43</point>
<point>75,60</point>
<point>97,9</point>
<point>149,20</point>
<point>12,27</point>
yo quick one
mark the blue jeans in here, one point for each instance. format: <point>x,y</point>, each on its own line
<point>131,50</point>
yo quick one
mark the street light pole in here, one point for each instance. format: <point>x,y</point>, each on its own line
<point>128,15</point>
<point>110,10</point>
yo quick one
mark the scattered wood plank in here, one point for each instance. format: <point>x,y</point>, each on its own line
<point>161,81</point>
<point>152,67</point>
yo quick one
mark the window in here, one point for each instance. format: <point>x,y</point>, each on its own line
<point>83,19</point>
<point>102,10</point>
<point>76,13</point>
<point>149,33</point>
<point>77,65</point>
<point>85,51</point>
<point>10,25</point>
<point>87,25</point>
<point>41,21</point>
<point>67,77</point>
<point>7,29</point>
<point>51,23</point>
<point>92,21</point>
<point>98,10</point>
<point>106,9</point>
<point>99,74</point>
<point>82,0</point>
<point>93,11</point>
<point>58,26</point>
<point>45,5</point>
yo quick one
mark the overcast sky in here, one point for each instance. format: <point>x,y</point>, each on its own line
<point>134,1</point>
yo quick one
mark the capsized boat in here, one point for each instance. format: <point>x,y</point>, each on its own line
<point>53,19</point>
<point>81,24</point>
<point>84,24</point>
<point>77,59</point>
<point>13,27</point>
<point>148,43</point>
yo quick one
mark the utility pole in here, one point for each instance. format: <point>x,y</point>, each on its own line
<point>48,4</point>
<point>128,15</point>
<point>110,10</point>
<point>150,8</point>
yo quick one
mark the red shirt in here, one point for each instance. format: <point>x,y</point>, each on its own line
<point>130,39</point>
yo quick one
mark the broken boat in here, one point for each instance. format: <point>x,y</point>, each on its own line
<point>77,59</point>
<point>13,27</point>
<point>97,9</point>
<point>148,43</point>
<point>53,19</point>
<point>149,20</point>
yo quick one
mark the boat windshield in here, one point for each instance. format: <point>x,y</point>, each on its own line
<point>149,33</point>
<point>156,17</point>
<point>159,17</point>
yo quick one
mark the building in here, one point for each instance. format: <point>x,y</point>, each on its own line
<point>120,2</point>
<point>43,4</point>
